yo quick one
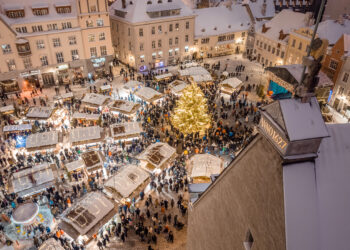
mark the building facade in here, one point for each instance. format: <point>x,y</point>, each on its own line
<point>271,40</point>
<point>149,34</point>
<point>50,42</point>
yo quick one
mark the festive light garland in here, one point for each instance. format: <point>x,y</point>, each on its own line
<point>191,112</point>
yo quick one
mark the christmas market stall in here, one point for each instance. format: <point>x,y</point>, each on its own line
<point>163,77</point>
<point>65,97</point>
<point>127,130</point>
<point>93,101</point>
<point>85,135</point>
<point>230,85</point>
<point>17,130</point>
<point>157,156</point>
<point>40,141</point>
<point>7,110</point>
<point>203,166</point>
<point>127,183</point>
<point>105,90</point>
<point>132,85</point>
<point>86,119</point>
<point>33,180</point>
<point>176,87</point>
<point>39,113</point>
<point>93,161</point>
<point>125,107</point>
<point>84,219</point>
<point>25,217</point>
<point>148,95</point>
<point>75,168</point>
<point>196,74</point>
<point>51,244</point>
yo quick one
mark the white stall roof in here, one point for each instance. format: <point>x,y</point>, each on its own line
<point>123,106</point>
<point>132,85</point>
<point>127,180</point>
<point>85,134</point>
<point>105,87</point>
<point>64,96</point>
<point>233,82</point>
<point>202,78</point>
<point>193,71</point>
<point>51,244</point>
<point>205,165</point>
<point>157,154</point>
<point>177,86</point>
<point>7,108</point>
<point>148,94</point>
<point>86,116</point>
<point>160,77</point>
<point>127,129</point>
<point>42,139</point>
<point>39,112</point>
<point>95,99</point>
<point>20,127</point>
<point>74,165</point>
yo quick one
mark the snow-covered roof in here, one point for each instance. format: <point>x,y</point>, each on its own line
<point>74,165</point>
<point>282,22</point>
<point>127,180</point>
<point>126,130</point>
<point>30,17</point>
<point>86,116</point>
<point>204,165</point>
<point>220,20</point>
<point>20,127</point>
<point>157,154</point>
<point>133,85</point>
<point>202,78</point>
<point>64,96</point>
<point>233,82</point>
<point>199,70</point>
<point>93,160</point>
<point>84,134</point>
<point>95,99</point>
<point>148,94</point>
<point>160,77</point>
<point>105,87</point>
<point>332,30</point>
<point>124,106</point>
<point>177,86</point>
<point>136,11</point>
<point>309,124</point>
<point>316,195</point>
<point>42,139</point>
<point>7,108</point>
<point>32,180</point>
<point>258,9</point>
<point>39,112</point>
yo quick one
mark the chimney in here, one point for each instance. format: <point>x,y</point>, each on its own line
<point>123,4</point>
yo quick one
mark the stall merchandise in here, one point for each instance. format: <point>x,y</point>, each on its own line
<point>42,140</point>
<point>157,155</point>
<point>204,166</point>
<point>86,216</point>
<point>85,135</point>
<point>229,85</point>
<point>128,181</point>
<point>32,180</point>
<point>95,100</point>
<point>123,106</point>
<point>148,94</point>
<point>125,130</point>
<point>39,112</point>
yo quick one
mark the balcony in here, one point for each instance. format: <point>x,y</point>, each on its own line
<point>23,47</point>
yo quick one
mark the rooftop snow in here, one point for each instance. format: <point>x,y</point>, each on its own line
<point>137,11</point>
<point>177,86</point>
<point>234,82</point>
<point>85,116</point>
<point>125,130</point>
<point>42,139</point>
<point>30,17</point>
<point>74,165</point>
<point>204,165</point>
<point>316,195</point>
<point>157,154</point>
<point>84,134</point>
<point>95,99</point>
<point>257,8</point>
<point>193,71</point>
<point>332,30</point>
<point>39,112</point>
<point>220,20</point>
<point>282,21</point>
<point>148,94</point>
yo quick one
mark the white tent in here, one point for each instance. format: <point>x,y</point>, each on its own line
<point>127,180</point>
<point>229,85</point>
<point>205,165</point>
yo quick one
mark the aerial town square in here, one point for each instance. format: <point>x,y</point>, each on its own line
<point>175,124</point>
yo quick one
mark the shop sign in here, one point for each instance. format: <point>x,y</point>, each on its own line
<point>98,62</point>
<point>62,67</point>
<point>29,73</point>
<point>159,64</point>
<point>273,135</point>
<point>143,68</point>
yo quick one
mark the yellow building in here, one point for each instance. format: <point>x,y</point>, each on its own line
<point>45,42</point>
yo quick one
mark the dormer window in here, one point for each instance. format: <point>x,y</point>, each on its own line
<point>63,9</point>
<point>160,1</point>
<point>149,2</point>
<point>15,12</point>
<point>40,9</point>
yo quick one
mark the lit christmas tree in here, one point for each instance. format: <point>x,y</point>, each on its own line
<point>191,112</point>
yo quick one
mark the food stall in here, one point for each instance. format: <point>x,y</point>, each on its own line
<point>126,130</point>
<point>39,113</point>
<point>157,156</point>
<point>93,161</point>
<point>65,97</point>
<point>105,90</point>
<point>14,130</point>
<point>163,77</point>
<point>85,135</point>
<point>40,141</point>
<point>93,101</point>
<point>148,95</point>
<point>7,110</point>
<point>230,85</point>
<point>86,119</point>
<point>176,87</point>
<point>203,166</point>
<point>124,107</point>
<point>127,183</point>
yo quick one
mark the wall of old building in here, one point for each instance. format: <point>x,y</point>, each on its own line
<point>248,195</point>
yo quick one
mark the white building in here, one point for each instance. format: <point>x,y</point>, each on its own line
<point>45,42</point>
<point>149,34</point>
